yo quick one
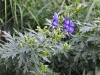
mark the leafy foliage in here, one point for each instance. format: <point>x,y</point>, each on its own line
<point>30,52</point>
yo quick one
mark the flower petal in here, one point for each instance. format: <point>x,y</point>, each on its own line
<point>66,21</point>
<point>55,20</point>
<point>68,26</point>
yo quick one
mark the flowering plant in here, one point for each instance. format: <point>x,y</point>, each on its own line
<point>68,26</point>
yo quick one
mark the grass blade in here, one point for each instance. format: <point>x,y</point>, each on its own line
<point>90,10</point>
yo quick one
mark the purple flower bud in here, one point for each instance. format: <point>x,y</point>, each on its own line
<point>66,21</point>
<point>55,20</point>
<point>68,26</point>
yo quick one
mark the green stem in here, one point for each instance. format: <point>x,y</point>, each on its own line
<point>5,3</point>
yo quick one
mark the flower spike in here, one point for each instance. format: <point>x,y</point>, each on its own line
<point>55,20</point>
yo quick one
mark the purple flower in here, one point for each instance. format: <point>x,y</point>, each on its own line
<point>55,20</point>
<point>68,26</point>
